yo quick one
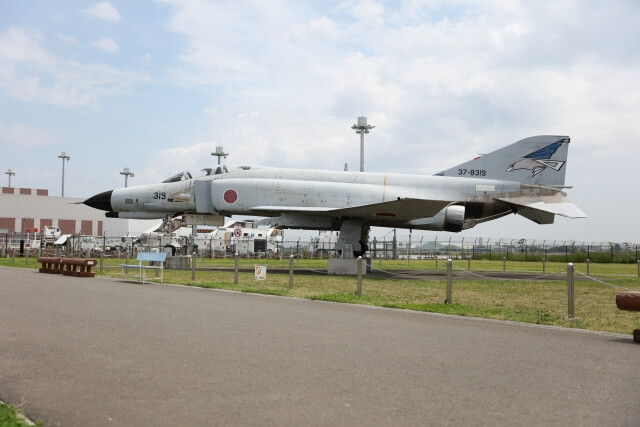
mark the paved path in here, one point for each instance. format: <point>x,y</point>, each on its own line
<point>95,351</point>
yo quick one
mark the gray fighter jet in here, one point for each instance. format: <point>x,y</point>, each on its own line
<point>526,178</point>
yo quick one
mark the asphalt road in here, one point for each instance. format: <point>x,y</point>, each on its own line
<point>101,352</point>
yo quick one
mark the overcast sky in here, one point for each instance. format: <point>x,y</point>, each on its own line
<point>156,85</point>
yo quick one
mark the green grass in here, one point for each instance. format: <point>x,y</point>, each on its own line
<point>11,416</point>
<point>530,301</point>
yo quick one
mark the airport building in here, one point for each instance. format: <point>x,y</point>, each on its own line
<point>23,210</point>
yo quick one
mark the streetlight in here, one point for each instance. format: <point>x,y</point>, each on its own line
<point>63,156</point>
<point>127,173</point>
<point>219,153</point>
<point>362,127</point>
<point>11,173</point>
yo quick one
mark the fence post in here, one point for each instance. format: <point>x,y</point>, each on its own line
<point>193,265</point>
<point>469,263</point>
<point>544,265</point>
<point>359,288</point>
<point>126,261</point>
<point>639,268</point>
<point>449,299</point>
<point>504,264</point>
<point>101,260</point>
<point>290,272</point>
<point>588,264</point>
<point>235,280</point>
<point>570,290</point>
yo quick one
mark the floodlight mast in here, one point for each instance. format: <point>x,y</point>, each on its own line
<point>362,127</point>
<point>127,173</point>
<point>63,156</point>
<point>11,173</point>
<point>219,153</point>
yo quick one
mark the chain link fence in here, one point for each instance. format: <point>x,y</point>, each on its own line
<point>317,248</point>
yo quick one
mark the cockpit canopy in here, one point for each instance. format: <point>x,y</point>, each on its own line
<point>186,175</point>
<point>182,176</point>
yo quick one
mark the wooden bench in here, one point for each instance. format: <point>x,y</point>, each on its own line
<point>78,267</point>
<point>630,301</point>
<point>141,269</point>
<point>50,265</point>
<point>67,266</point>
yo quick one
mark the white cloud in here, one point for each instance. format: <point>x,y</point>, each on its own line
<point>29,73</point>
<point>68,39</point>
<point>103,10</point>
<point>106,44</point>
<point>20,135</point>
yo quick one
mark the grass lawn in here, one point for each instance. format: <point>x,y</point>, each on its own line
<point>531,301</point>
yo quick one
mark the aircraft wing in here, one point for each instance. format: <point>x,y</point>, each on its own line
<point>402,209</point>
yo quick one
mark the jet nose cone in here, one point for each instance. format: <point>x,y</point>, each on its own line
<point>100,201</point>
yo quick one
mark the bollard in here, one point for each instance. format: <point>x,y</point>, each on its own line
<point>359,288</point>
<point>101,261</point>
<point>193,265</point>
<point>504,264</point>
<point>570,290</point>
<point>126,261</point>
<point>469,263</point>
<point>588,263</point>
<point>27,257</point>
<point>290,272</point>
<point>436,261</point>
<point>449,299</point>
<point>544,265</point>
<point>235,280</point>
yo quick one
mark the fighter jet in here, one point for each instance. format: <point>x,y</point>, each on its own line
<point>525,178</point>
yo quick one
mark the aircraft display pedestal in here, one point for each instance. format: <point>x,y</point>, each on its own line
<point>182,262</point>
<point>347,266</point>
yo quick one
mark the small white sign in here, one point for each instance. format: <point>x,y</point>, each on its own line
<point>261,272</point>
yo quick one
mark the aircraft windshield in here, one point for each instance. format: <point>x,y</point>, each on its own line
<point>218,170</point>
<point>182,176</point>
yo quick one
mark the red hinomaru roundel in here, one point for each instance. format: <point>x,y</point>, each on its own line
<point>230,196</point>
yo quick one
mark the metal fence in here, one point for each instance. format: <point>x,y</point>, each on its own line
<point>425,248</point>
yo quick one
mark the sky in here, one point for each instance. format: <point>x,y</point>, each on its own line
<point>155,86</point>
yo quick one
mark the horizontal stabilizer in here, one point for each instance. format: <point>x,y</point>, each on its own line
<point>543,208</point>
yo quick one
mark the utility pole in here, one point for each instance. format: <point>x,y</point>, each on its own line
<point>63,156</point>
<point>127,173</point>
<point>362,127</point>
<point>11,173</point>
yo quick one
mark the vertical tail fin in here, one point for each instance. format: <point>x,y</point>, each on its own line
<point>537,160</point>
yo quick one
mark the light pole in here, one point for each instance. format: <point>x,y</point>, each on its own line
<point>219,153</point>
<point>63,156</point>
<point>11,173</point>
<point>127,173</point>
<point>362,127</point>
